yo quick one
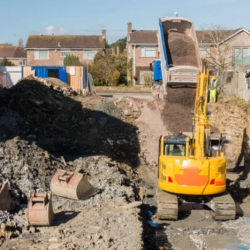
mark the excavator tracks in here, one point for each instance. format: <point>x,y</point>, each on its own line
<point>224,207</point>
<point>167,205</point>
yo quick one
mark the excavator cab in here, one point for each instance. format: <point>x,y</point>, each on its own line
<point>177,145</point>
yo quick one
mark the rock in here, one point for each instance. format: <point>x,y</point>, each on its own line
<point>53,239</point>
<point>32,230</point>
<point>55,246</point>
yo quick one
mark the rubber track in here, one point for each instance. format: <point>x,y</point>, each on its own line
<point>224,207</point>
<point>167,205</point>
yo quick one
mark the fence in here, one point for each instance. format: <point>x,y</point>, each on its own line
<point>4,83</point>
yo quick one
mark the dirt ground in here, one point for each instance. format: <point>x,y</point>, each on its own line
<point>115,143</point>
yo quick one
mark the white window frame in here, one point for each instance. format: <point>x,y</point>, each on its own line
<point>85,57</point>
<point>64,51</point>
<point>205,52</point>
<point>240,61</point>
<point>145,49</point>
<point>37,54</point>
<point>22,62</point>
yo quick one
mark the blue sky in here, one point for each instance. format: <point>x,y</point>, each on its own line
<point>20,18</point>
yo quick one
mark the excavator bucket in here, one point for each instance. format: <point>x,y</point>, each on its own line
<point>40,211</point>
<point>71,185</point>
<point>6,203</point>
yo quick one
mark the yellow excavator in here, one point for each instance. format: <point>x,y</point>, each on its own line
<point>191,168</point>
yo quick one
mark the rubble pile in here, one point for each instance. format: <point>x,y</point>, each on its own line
<point>64,126</point>
<point>53,83</point>
<point>43,129</point>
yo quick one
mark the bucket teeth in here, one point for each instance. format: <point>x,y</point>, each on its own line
<point>6,203</point>
<point>71,185</point>
<point>40,211</point>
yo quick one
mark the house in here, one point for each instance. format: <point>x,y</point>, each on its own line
<point>50,50</point>
<point>225,48</point>
<point>15,54</point>
<point>142,49</point>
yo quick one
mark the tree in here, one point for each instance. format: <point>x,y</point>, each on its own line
<point>109,70</point>
<point>147,78</point>
<point>122,43</point>
<point>6,62</point>
<point>213,42</point>
<point>20,42</point>
<point>6,44</point>
<point>71,60</point>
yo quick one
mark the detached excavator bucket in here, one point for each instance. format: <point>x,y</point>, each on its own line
<point>6,203</point>
<point>71,185</point>
<point>40,211</point>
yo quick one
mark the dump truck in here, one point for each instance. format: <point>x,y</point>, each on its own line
<point>192,169</point>
<point>179,55</point>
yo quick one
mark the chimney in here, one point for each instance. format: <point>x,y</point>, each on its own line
<point>104,34</point>
<point>118,50</point>
<point>129,29</point>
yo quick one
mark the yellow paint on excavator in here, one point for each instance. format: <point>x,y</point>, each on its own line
<point>195,172</point>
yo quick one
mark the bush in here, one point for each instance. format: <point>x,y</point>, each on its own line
<point>147,78</point>
<point>6,62</point>
<point>71,60</point>
<point>108,70</point>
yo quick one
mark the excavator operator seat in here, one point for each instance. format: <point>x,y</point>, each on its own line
<point>176,145</point>
<point>175,150</point>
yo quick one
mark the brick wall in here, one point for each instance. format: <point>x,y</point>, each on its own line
<point>55,58</point>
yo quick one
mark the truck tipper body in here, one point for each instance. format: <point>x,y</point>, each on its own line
<point>179,54</point>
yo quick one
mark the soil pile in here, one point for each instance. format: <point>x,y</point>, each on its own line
<point>68,126</point>
<point>43,130</point>
<point>180,49</point>
<point>177,110</point>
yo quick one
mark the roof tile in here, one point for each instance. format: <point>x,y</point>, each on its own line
<point>144,36</point>
<point>12,52</point>
<point>66,41</point>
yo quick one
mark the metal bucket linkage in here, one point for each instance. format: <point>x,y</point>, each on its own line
<point>40,211</point>
<point>6,203</point>
<point>71,185</point>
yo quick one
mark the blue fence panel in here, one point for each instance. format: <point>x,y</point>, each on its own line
<point>63,75</point>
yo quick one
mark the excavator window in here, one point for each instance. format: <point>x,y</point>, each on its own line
<point>175,149</point>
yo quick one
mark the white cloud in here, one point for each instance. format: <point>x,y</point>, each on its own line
<point>49,30</point>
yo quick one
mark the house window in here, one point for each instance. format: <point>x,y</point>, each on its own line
<point>41,54</point>
<point>89,54</point>
<point>204,51</point>
<point>65,53</point>
<point>242,56</point>
<point>22,62</point>
<point>148,52</point>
